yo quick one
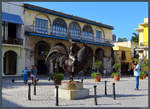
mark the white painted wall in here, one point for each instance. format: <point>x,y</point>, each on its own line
<point>18,9</point>
<point>13,8</point>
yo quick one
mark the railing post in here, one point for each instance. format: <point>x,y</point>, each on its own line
<point>114,93</point>
<point>78,77</point>
<point>56,95</point>
<point>82,80</point>
<point>35,89</point>
<point>105,87</point>
<point>12,80</point>
<point>33,26</point>
<point>29,91</point>
<point>95,97</point>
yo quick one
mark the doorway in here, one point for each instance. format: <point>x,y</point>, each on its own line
<point>41,51</point>
<point>10,63</point>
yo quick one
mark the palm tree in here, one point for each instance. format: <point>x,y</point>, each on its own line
<point>135,37</point>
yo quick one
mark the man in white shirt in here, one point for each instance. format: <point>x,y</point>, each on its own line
<point>137,74</point>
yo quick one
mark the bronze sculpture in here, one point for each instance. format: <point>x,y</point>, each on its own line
<point>75,60</point>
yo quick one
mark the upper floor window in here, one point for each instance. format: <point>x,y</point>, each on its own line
<point>98,35</point>
<point>41,25</point>
<point>123,55</point>
<point>74,29</point>
<point>59,27</point>
<point>87,33</point>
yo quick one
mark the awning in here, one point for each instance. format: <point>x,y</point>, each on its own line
<point>12,18</point>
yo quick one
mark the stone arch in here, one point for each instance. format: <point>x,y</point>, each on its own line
<point>87,32</point>
<point>41,50</point>
<point>44,15</point>
<point>74,30</point>
<point>59,27</point>
<point>99,54</point>
<point>10,62</point>
<point>61,44</point>
<point>56,66</point>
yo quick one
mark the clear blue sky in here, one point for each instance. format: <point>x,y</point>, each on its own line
<point>124,16</point>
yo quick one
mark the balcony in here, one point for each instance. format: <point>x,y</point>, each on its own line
<point>143,45</point>
<point>15,41</point>
<point>83,36</point>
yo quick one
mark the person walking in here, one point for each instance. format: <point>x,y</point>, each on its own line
<point>25,75</point>
<point>34,74</point>
<point>136,74</point>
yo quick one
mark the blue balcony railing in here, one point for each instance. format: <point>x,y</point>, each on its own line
<point>63,33</point>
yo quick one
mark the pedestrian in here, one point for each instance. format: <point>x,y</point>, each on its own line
<point>25,75</point>
<point>136,74</point>
<point>34,74</point>
<point>104,72</point>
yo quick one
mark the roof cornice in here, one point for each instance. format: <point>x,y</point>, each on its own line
<point>40,9</point>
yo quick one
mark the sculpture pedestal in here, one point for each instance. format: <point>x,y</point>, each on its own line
<point>72,90</point>
<point>72,94</point>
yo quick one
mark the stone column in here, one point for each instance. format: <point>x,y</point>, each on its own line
<point>6,31</point>
<point>51,71</point>
<point>93,61</point>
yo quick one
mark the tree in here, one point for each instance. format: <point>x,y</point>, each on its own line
<point>114,37</point>
<point>135,37</point>
<point>98,66</point>
<point>143,63</point>
<point>122,39</point>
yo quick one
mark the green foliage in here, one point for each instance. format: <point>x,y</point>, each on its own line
<point>94,74</point>
<point>58,76</point>
<point>122,39</point>
<point>98,65</point>
<point>144,63</point>
<point>142,73</point>
<point>115,73</point>
<point>135,37</point>
<point>116,66</point>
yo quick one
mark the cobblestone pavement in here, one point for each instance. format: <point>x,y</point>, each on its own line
<point>16,94</point>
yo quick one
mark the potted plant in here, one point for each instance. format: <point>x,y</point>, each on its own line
<point>116,74</point>
<point>96,76</point>
<point>98,65</point>
<point>141,75</point>
<point>57,77</point>
<point>145,75</point>
<point>144,67</point>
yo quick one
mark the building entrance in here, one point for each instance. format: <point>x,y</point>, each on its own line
<point>41,51</point>
<point>10,61</point>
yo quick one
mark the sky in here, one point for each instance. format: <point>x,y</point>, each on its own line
<point>123,16</point>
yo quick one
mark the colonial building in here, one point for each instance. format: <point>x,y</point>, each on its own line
<point>123,56</point>
<point>12,38</point>
<point>143,39</point>
<point>45,28</point>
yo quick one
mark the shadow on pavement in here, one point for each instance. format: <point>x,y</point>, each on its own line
<point>117,95</point>
<point>7,103</point>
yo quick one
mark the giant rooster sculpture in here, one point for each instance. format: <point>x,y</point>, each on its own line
<point>75,60</point>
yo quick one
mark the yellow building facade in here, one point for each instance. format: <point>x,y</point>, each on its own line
<point>45,28</point>
<point>143,39</point>
<point>123,56</point>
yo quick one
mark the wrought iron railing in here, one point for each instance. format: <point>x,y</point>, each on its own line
<point>63,33</point>
<point>15,41</point>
